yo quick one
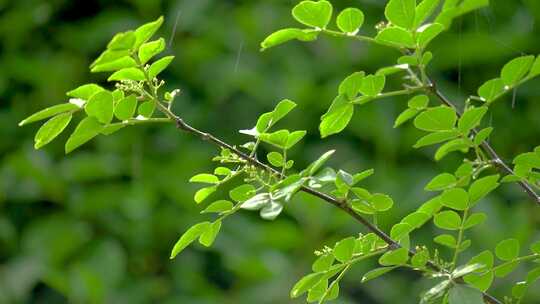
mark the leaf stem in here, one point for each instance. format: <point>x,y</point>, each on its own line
<point>460,238</point>
<point>390,94</point>
<point>518,260</point>
<point>344,35</point>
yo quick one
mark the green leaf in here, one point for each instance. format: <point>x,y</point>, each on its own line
<point>436,119</point>
<point>535,69</point>
<point>397,37</point>
<point>474,220</point>
<point>519,290</point>
<point>381,202</point>
<point>491,89</point>
<point>158,66</point>
<point>323,263</point>
<point>336,120</point>
<point>471,118</point>
<point>293,138</point>
<point>456,198</point>
<point>316,165</point>
<point>122,41</point>
<point>350,86</point>
<point>115,65</point>
<point>471,5</point>
<point>485,258</point>
<point>311,13</point>
<point>87,129</point>
<point>203,193</point>
<point>426,58</point>
<point>482,187</point>
<point>101,106</point>
<point>305,284</point>
<point>188,237</point>
<point>85,91</point>
<point>435,292</point>
<point>400,232</point>
<point>134,74</point>
<point>275,158</point>
<point>333,292</point>
<point>505,269</point>
<point>515,70</point>
<point>424,10</point>
<point>284,35</point>
<point>109,56</point>
<point>420,258</point>
<point>427,33</point>
<point>432,206</point>
<point>242,193</point>
<point>146,31</point>
<point>377,272</point>
<point>529,160</point>
<point>151,49</point>
<point>51,129</point>
<point>390,70</point>
<point>343,251</point>
<point>316,293</point>
<point>117,95</point>
<point>350,20</point>
<point>256,202</point>
<point>372,85</point>
<point>362,206</point>
<point>462,294</point>
<point>418,102</point>
<point>482,135</point>
<point>49,112</point>
<point>220,206</point>
<point>278,138</point>
<point>416,219</point>
<point>222,171</point>
<point>405,116</point>
<point>395,257</point>
<point>533,275</point>
<point>481,281</point>
<point>466,269</point>
<point>269,119</point>
<point>441,182</point>
<point>209,235</point>
<point>507,250</point>
<point>112,128</point>
<point>409,60</point>
<point>448,220</point>
<point>401,12</point>
<point>358,177</point>
<point>446,240</point>
<point>458,144</point>
<point>204,178</point>
<point>436,138</point>
<point>535,247</point>
<point>125,108</point>
<point>146,109</point>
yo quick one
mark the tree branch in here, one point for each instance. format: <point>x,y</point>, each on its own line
<point>501,165</point>
<point>392,244</point>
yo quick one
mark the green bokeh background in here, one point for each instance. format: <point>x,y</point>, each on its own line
<point>97,226</point>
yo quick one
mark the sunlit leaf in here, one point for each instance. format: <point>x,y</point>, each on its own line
<point>313,13</point>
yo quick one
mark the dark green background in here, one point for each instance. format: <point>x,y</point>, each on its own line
<point>97,226</point>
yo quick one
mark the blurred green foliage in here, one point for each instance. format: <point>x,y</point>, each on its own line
<point>97,226</point>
